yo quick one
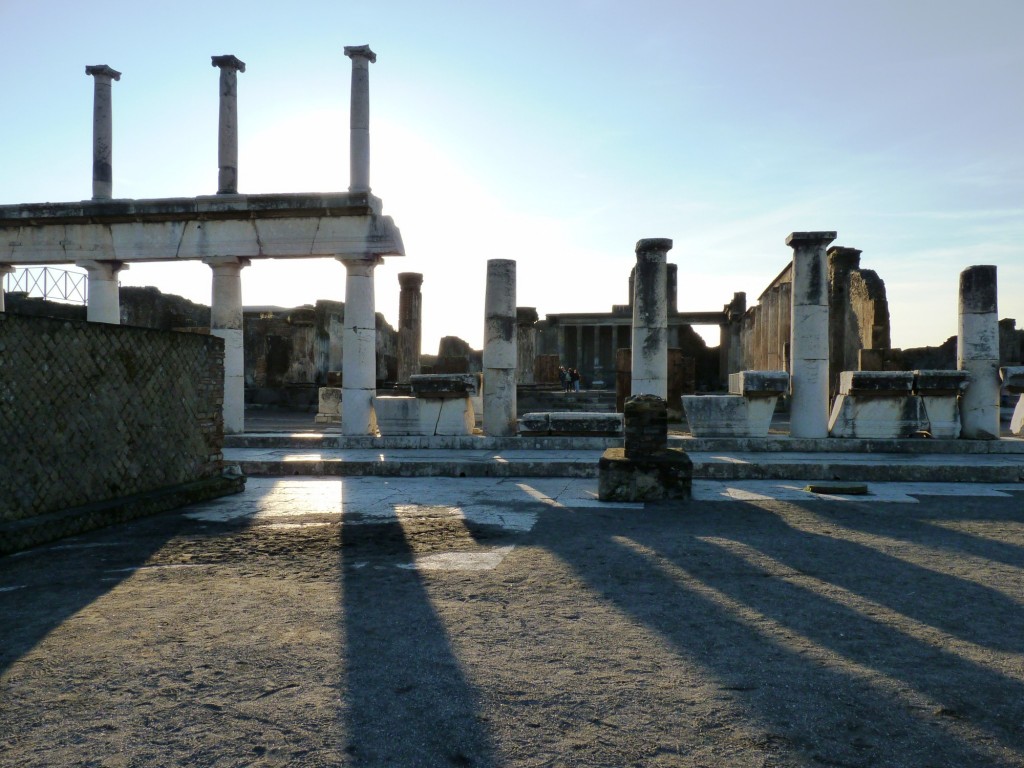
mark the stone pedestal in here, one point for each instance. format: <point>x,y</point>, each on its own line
<point>1013,380</point>
<point>102,131</point>
<point>499,358</point>
<point>410,312</point>
<point>809,338</point>
<point>940,392</point>
<point>650,319</point>
<point>645,469</point>
<point>877,404</point>
<point>977,352</point>
<point>329,410</point>
<point>104,300</point>
<point>226,322</point>
<point>359,348</point>
<point>745,412</point>
<point>424,416</point>
<point>227,141</point>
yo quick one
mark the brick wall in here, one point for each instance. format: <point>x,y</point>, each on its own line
<point>92,413</point>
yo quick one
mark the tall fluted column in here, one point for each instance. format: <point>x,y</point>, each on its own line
<point>226,323</point>
<point>650,318</point>
<point>104,305</point>
<point>359,349</point>
<point>809,341</point>
<point>227,137</point>
<point>500,349</point>
<point>102,131</point>
<point>410,311</point>
<point>359,117</point>
<point>977,352</point>
<point>526,343</point>
<point>5,269</point>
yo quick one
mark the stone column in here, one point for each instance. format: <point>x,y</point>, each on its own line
<point>5,269</point>
<point>650,319</point>
<point>102,131</point>
<point>500,349</point>
<point>227,142</point>
<point>809,341</point>
<point>772,355</point>
<point>104,304</point>
<point>977,352</point>
<point>226,323</point>
<point>359,117</point>
<point>359,349</point>
<point>734,312</point>
<point>785,323</point>
<point>410,334</point>
<point>526,344</point>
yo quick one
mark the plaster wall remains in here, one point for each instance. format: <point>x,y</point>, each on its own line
<point>93,413</point>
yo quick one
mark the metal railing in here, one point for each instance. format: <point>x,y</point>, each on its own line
<point>49,283</point>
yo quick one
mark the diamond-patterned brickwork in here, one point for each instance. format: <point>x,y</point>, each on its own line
<point>92,412</point>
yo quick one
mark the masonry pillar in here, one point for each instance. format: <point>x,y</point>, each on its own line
<point>785,324</point>
<point>227,143</point>
<point>410,311</point>
<point>526,344</point>
<point>650,319</point>
<point>5,269</point>
<point>102,131</point>
<point>500,349</point>
<point>104,304</point>
<point>841,262</point>
<point>359,117</point>
<point>359,348</point>
<point>809,341</point>
<point>977,352</point>
<point>772,355</point>
<point>735,310</point>
<point>226,323</point>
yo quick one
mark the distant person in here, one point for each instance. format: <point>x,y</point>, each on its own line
<point>563,378</point>
<point>574,378</point>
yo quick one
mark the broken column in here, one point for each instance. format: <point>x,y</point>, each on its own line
<point>977,352</point>
<point>226,323</point>
<point>1013,380</point>
<point>526,344</point>
<point>359,117</point>
<point>5,269</point>
<point>410,311</point>
<point>809,411</point>
<point>650,318</point>
<point>359,348</point>
<point>227,143</point>
<point>500,349</point>
<point>104,305</point>
<point>102,131</point>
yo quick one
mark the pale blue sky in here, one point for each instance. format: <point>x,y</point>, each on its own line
<point>558,133</point>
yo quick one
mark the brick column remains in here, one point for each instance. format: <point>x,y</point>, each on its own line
<point>227,137</point>
<point>977,352</point>
<point>500,349</point>
<point>102,130</point>
<point>650,319</point>
<point>810,338</point>
<point>410,311</point>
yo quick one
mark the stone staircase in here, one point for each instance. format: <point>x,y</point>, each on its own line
<point>546,400</point>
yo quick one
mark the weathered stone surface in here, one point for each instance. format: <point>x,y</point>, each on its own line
<point>329,409</point>
<point>877,416</point>
<point>667,474</point>
<point>397,415</point>
<point>758,383</point>
<point>939,381</point>
<point>646,425</point>
<point>942,412</point>
<point>868,383</point>
<point>441,385</point>
<point>535,424</point>
<point>729,415</point>
<point>586,423</point>
<point>650,319</point>
<point>425,417</point>
<point>978,352</point>
<point>1012,378</point>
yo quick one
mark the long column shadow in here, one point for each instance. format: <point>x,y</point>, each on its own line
<point>717,616</point>
<point>407,701</point>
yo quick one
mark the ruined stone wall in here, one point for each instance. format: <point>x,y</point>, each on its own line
<point>92,413</point>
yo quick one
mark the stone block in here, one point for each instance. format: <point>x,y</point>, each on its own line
<point>329,410</point>
<point>398,415</point>
<point>1012,378</point>
<point>535,424</point>
<point>667,474</point>
<point>729,415</point>
<point>877,416</point>
<point>759,383</point>
<point>586,423</point>
<point>442,385</point>
<point>942,412</point>
<point>876,383</point>
<point>934,382</point>
<point>448,416</point>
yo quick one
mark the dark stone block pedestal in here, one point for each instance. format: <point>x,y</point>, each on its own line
<point>666,474</point>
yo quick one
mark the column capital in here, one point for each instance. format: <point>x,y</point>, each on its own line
<point>108,268</point>
<point>6,269</point>
<point>654,245</point>
<point>226,261</point>
<point>526,316</point>
<point>361,262</point>
<point>356,52</point>
<point>410,281</point>
<point>809,239</point>
<point>102,70</point>
<point>228,62</point>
